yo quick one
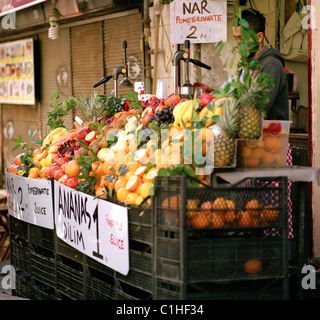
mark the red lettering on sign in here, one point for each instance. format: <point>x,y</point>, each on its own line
<point>116,242</point>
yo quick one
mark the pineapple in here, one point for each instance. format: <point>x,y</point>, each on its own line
<point>90,107</point>
<point>222,152</point>
<point>251,109</point>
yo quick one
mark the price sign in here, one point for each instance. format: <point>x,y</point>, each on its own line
<point>30,200</point>
<point>95,227</point>
<point>198,21</point>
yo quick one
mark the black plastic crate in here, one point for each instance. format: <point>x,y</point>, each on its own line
<point>42,237</point>
<point>219,247</point>
<point>18,227</point>
<point>66,250</point>
<point>270,289</point>
<point>140,223</point>
<point>20,253</point>
<point>70,278</point>
<point>43,265</point>
<point>99,285</point>
<point>23,285</point>
<point>42,291</point>
<point>125,291</point>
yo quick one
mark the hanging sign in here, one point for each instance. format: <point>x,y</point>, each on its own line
<point>96,227</point>
<point>17,83</point>
<point>16,5</point>
<point>30,200</point>
<point>198,21</point>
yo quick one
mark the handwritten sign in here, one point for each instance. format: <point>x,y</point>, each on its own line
<point>30,200</point>
<point>198,21</point>
<point>95,227</point>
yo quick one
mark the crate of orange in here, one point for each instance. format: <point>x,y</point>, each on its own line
<point>269,151</point>
<point>217,234</point>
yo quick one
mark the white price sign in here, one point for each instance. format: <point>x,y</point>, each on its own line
<point>96,227</point>
<point>198,21</point>
<point>30,200</point>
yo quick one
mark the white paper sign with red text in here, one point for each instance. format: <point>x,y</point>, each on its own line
<point>198,21</point>
<point>96,227</point>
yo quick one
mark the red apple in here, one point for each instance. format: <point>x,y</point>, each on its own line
<point>172,99</point>
<point>206,98</point>
<point>55,158</point>
<point>62,161</point>
<point>72,182</point>
<point>58,174</point>
<point>63,179</point>
<point>50,171</point>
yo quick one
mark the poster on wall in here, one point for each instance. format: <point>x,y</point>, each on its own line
<point>93,226</point>
<point>17,83</point>
<point>30,200</point>
<point>198,21</point>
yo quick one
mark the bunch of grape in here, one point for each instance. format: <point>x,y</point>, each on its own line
<point>164,115</point>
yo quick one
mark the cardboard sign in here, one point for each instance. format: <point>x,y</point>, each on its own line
<point>96,227</point>
<point>30,200</point>
<point>198,21</point>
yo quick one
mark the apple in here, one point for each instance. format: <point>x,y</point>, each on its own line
<point>173,98</point>
<point>206,98</point>
<point>72,182</point>
<point>50,171</point>
<point>55,158</point>
<point>206,207</point>
<point>63,179</point>
<point>58,174</point>
<point>62,160</point>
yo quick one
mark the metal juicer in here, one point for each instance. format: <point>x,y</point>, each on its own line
<point>186,89</point>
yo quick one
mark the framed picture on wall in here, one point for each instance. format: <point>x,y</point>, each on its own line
<point>17,80</point>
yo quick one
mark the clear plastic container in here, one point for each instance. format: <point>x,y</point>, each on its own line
<point>270,151</point>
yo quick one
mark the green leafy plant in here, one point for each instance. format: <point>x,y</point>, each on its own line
<point>60,110</point>
<point>247,73</point>
<point>111,104</point>
<point>133,97</point>
<point>26,152</point>
<point>114,178</point>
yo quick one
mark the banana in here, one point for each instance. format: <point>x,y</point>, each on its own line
<point>49,137</point>
<point>188,114</point>
<point>204,113</point>
<point>181,111</point>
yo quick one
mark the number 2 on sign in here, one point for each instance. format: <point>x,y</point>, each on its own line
<point>193,30</point>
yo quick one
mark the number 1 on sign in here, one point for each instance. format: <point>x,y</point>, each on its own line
<point>96,219</point>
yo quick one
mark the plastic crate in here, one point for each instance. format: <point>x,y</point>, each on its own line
<point>140,223</point>
<point>42,291</point>
<point>218,246</point>
<point>20,253</point>
<point>43,265</point>
<point>99,285</point>
<point>125,291</point>
<point>18,227</point>
<point>234,290</point>
<point>42,237</point>
<point>23,285</point>
<point>70,278</point>
<point>66,250</point>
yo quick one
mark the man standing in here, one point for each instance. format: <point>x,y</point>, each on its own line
<point>271,62</point>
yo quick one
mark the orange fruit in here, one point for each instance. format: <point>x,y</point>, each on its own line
<point>272,144</point>
<point>219,205</point>
<point>91,136</point>
<point>253,207</point>
<point>72,168</point>
<point>245,152</point>
<point>131,198</point>
<point>152,173</point>
<point>141,171</point>
<point>122,194</point>
<point>257,153</point>
<point>106,167</point>
<point>34,173</point>
<point>129,174</point>
<point>244,220</point>
<point>144,189</point>
<point>133,166</point>
<point>270,214</point>
<point>36,152</point>
<point>279,159</point>
<point>101,192</point>
<point>249,162</point>
<point>133,183</point>
<point>139,200</point>
<point>206,207</point>
<point>252,266</point>
<point>200,221</point>
<point>217,221</point>
<point>252,143</point>
<point>120,183</point>
<point>230,214</point>
<point>17,160</point>
<point>42,173</point>
<point>97,169</point>
<point>267,158</point>
<point>171,203</point>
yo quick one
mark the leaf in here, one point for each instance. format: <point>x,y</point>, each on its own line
<point>244,23</point>
<point>243,49</point>
<point>163,172</point>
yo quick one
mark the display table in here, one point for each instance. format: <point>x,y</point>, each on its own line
<point>302,176</point>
